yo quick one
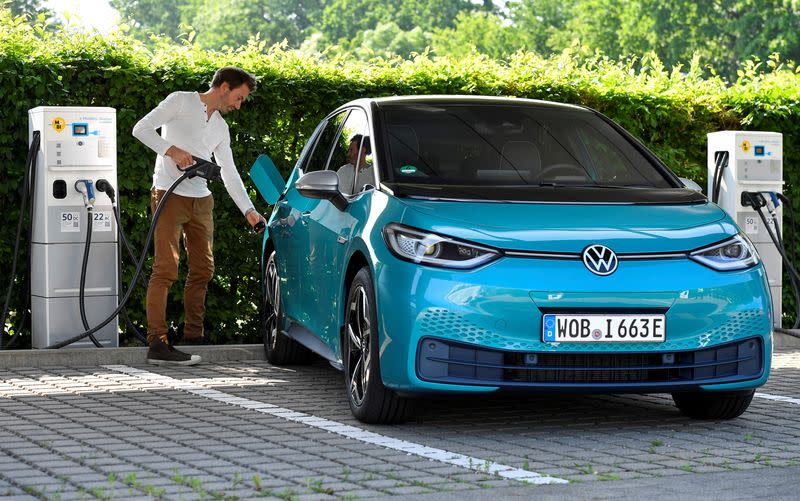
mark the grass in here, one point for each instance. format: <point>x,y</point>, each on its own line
<point>315,485</point>
<point>420,483</point>
<point>197,486</point>
<point>286,494</point>
<point>654,444</point>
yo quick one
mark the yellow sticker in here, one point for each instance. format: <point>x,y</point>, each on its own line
<point>745,146</point>
<point>59,124</point>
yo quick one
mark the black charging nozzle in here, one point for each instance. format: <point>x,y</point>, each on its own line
<point>104,186</point>
<point>754,199</point>
<point>203,168</point>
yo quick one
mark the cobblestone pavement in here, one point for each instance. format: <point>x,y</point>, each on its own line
<point>248,429</point>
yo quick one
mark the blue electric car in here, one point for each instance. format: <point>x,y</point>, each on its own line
<point>465,245</point>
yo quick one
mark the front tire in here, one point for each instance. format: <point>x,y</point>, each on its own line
<point>370,401</point>
<point>278,348</point>
<point>713,405</point>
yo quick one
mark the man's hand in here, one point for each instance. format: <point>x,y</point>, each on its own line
<point>253,217</point>
<point>181,158</point>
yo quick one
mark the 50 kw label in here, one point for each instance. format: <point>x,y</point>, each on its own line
<point>71,221</point>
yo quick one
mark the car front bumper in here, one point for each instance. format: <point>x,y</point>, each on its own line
<point>480,330</point>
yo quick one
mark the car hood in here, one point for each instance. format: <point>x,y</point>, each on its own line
<point>569,228</point>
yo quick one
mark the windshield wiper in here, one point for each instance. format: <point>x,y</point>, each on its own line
<point>595,185</point>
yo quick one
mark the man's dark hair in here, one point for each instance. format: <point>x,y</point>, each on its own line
<point>234,77</point>
<point>364,145</point>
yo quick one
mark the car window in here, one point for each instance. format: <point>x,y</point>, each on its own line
<point>352,154</point>
<point>511,145</point>
<point>608,161</point>
<point>319,156</point>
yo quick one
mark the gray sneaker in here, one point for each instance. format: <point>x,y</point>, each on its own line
<point>160,353</point>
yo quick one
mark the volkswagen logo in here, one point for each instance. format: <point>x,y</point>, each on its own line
<point>600,260</point>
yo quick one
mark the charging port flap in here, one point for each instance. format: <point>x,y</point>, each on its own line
<point>268,180</point>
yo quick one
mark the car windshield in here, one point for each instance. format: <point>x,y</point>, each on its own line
<point>511,145</point>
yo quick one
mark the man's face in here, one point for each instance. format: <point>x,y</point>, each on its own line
<point>232,99</point>
<point>352,152</point>
<point>353,156</point>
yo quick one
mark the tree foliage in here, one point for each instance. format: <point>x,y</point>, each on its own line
<point>233,22</point>
<point>724,33</point>
<point>157,17</point>
<point>29,8</point>
<point>481,32</point>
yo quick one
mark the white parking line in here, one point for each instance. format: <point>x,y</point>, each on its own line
<point>778,398</point>
<point>443,456</point>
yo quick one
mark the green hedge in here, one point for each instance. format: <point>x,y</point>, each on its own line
<point>670,111</point>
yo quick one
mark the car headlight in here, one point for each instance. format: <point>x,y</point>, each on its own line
<point>736,253</point>
<point>423,247</point>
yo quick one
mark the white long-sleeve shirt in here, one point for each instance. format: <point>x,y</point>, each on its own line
<point>184,122</point>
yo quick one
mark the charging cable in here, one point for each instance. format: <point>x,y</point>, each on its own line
<point>27,192</point>
<point>202,168</point>
<point>721,159</point>
<point>85,187</point>
<point>104,186</point>
<point>757,201</point>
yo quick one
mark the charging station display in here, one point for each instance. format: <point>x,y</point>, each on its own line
<point>740,163</point>
<point>77,149</point>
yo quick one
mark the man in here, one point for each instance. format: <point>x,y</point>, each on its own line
<point>357,168</point>
<point>191,124</point>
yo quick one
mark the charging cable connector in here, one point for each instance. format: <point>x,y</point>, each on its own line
<point>104,186</point>
<point>86,188</point>
<point>754,199</point>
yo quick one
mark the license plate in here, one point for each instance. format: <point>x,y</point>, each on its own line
<point>568,328</point>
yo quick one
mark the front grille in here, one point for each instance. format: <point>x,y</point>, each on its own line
<point>446,361</point>
<point>569,368</point>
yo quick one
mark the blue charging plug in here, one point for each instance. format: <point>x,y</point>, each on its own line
<point>86,188</point>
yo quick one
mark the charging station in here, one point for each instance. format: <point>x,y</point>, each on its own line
<point>740,162</point>
<point>78,147</point>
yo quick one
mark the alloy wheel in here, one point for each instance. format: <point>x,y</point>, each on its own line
<point>272,304</point>
<point>359,354</point>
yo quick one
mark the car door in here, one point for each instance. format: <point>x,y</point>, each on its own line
<point>301,252</point>
<point>329,229</point>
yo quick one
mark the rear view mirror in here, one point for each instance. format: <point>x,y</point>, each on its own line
<point>268,180</point>
<point>322,184</point>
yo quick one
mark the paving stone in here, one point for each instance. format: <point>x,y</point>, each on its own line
<point>382,483</point>
<point>104,431</point>
<point>404,491</point>
<point>363,493</point>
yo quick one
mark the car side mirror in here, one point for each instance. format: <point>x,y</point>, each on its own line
<point>688,183</point>
<point>324,185</point>
<point>268,180</point>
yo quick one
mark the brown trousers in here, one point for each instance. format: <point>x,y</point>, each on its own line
<point>193,218</point>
